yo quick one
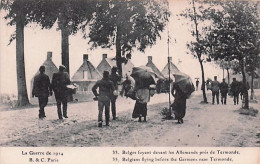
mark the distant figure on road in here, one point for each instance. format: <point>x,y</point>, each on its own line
<point>208,84</point>
<point>106,88</point>
<point>114,77</point>
<point>215,90</point>
<point>235,89</point>
<point>60,80</point>
<point>197,84</point>
<point>223,91</point>
<point>41,89</point>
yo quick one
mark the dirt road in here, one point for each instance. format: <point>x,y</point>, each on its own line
<point>204,125</point>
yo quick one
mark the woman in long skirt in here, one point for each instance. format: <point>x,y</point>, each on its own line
<point>179,104</point>
<point>142,98</point>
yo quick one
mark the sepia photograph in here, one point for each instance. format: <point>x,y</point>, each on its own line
<point>129,81</point>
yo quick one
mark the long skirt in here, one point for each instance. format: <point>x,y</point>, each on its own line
<point>140,110</point>
<point>179,108</point>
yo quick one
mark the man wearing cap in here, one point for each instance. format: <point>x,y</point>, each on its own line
<point>235,89</point>
<point>115,79</point>
<point>215,90</point>
<point>60,80</point>
<point>41,89</point>
<point>106,88</point>
<point>223,91</point>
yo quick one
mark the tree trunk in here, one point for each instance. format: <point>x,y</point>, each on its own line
<point>20,66</point>
<point>65,48</point>
<point>199,55</point>
<point>65,54</point>
<point>228,77</point>
<point>118,53</point>
<point>245,92</point>
<point>252,86</point>
<point>203,82</point>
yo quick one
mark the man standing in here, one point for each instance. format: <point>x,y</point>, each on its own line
<point>235,89</point>
<point>60,80</point>
<point>106,88</point>
<point>223,91</point>
<point>41,89</point>
<point>215,90</point>
<point>197,84</point>
<point>115,79</point>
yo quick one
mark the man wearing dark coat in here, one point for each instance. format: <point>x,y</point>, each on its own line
<point>106,88</point>
<point>197,84</point>
<point>41,89</point>
<point>235,90</point>
<point>60,80</point>
<point>115,79</point>
<point>215,90</point>
<point>223,91</point>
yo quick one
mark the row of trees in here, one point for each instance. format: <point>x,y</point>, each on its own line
<point>226,32</point>
<point>125,24</point>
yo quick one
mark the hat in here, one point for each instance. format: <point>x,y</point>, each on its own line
<point>114,69</point>
<point>42,67</point>
<point>105,74</point>
<point>62,67</point>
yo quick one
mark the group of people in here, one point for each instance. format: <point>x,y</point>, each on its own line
<point>108,92</point>
<point>217,87</point>
<point>43,88</point>
<point>236,88</point>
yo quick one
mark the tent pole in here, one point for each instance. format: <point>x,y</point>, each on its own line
<point>169,70</point>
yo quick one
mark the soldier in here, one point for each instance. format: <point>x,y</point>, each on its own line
<point>223,91</point>
<point>235,89</point>
<point>60,80</point>
<point>106,88</point>
<point>215,90</point>
<point>41,89</point>
<point>115,79</point>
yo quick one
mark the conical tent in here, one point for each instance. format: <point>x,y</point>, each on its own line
<point>173,68</point>
<point>86,76</point>
<point>106,64</point>
<point>50,68</point>
<point>154,68</point>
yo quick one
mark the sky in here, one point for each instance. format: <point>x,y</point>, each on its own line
<point>38,42</point>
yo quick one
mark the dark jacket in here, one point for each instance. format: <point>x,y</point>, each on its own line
<point>215,86</point>
<point>41,85</point>
<point>235,87</point>
<point>177,93</point>
<point>106,88</point>
<point>244,88</point>
<point>115,79</point>
<point>223,87</point>
<point>59,82</point>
